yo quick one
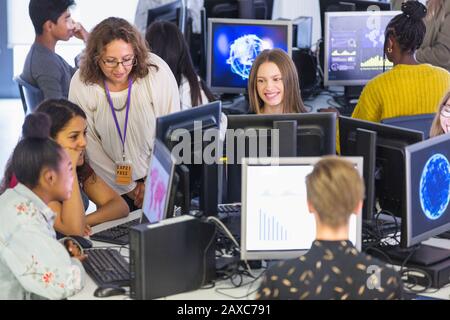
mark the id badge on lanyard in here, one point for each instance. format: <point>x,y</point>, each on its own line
<point>124,169</point>
<point>124,173</point>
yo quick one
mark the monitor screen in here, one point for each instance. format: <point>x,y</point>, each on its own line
<point>349,5</point>
<point>158,183</point>
<point>427,190</point>
<point>276,222</point>
<point>390,143</point>
<point>354,46</point>
<point>233,45</point>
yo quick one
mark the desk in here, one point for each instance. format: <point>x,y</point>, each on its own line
<point>231,293</point>
<point>202,294</point>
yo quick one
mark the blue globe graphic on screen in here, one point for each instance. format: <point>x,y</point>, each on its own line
<point>435,186</point>
<point>243,51</point>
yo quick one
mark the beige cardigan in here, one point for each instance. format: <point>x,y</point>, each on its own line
<point>435,48</point>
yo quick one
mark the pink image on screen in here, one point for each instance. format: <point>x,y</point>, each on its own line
<point>157,194</point>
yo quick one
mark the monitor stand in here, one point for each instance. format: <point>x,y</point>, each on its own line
<point>425,255</point>
<point>349,100</point>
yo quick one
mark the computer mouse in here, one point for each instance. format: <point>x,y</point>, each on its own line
<point>84,242</point>
<point>108,291</point>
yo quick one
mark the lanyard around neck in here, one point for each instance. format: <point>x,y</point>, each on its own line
<point>108,95</point>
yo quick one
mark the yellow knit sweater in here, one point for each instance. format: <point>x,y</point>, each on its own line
<point>405,90</point>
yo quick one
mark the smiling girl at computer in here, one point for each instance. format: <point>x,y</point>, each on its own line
<point>122,88</point>
<point>441,122</point>
<point>410,88</point>
<point>273,85</point>
<point>32,262</point>
<point>69,130</point>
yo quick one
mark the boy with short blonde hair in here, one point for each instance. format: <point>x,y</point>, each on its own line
<point>332,268</point>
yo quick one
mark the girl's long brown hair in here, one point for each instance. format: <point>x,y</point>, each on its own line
<point>292,101</point>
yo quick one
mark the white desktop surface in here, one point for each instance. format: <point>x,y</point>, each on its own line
<point>202,294</point>
<point>230,292</point>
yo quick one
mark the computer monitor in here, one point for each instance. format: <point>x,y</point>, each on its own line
<point>187,128</point>
<point>349,5</point>
<point>300,135</point>
<point>233,45</point>
<point>158,183</point>
<point>388,169</point>
<point>427,190</point>
<point>276,223</point>
<point>302,32</point>
<point>173,12</point>
<point>244,9</point>
<point>207,115</point>
<point>354,46</point>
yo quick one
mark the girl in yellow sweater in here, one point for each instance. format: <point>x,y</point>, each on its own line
<point>409,88</point>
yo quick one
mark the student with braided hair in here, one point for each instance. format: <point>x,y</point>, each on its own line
<point>410,88</point>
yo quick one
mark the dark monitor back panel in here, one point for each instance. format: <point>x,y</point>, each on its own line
<point>315,131</point>
<point>315,137</point>
<point>262,9</point>
<point>390,154</point>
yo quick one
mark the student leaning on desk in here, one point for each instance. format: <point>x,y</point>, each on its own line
<point>68,129</point>
<point>333,268</point>
<point>33,264</point>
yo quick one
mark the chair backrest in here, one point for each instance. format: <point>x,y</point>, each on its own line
<point>31,96</point>
<point>420,122</point>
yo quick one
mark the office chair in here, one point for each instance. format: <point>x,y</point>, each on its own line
<point>420,122</point>
<point>30,95</point>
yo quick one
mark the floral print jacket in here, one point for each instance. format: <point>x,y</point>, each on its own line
<point>32,262</point>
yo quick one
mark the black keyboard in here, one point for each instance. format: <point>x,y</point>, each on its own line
<point>229,210</point>
<point>230,215</point>
<point>445,235</point>
<point>106,267</point>
<point>116,235</point>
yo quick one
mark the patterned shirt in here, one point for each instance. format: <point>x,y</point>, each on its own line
<point>32,262</point>
<point>331,270</point>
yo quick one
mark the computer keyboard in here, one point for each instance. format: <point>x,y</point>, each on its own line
<point>116,235</point>
<point>445,235</point>
<point>228,210</point>
<point>106,267</point>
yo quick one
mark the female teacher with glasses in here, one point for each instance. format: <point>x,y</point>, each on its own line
<point>122,88</point>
